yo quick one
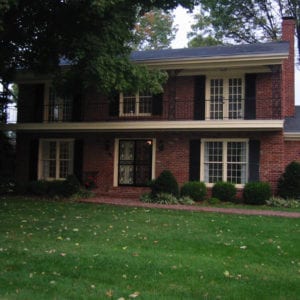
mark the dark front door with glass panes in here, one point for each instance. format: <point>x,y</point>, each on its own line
<point>135,162</point>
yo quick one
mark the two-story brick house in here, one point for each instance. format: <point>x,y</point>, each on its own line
<point>226,113</point>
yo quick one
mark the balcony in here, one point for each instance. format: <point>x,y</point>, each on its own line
<point>181,114</point>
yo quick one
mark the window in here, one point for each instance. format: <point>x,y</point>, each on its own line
<point>225,98</point>
<point>134,105</point>
<point>135,162</point>
<point>224,161</point>
<point>56,159</point>
<point>58,109</point>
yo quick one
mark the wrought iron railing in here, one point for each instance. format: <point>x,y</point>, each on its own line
<point>179,109</point>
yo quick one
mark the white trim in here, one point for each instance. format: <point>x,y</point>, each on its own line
<point>137,106</point>
<point>142,126</point>
<point>116,157</point>
<point>291,136</point>
<point>57,159</point>
<point>224,158</point>
<point>225,77</point>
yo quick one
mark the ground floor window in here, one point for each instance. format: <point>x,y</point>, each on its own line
<point>224,160</point>
<point>135,162</point>
<point>55,159</point>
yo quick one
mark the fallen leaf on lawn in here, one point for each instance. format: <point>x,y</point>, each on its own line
<point>109,293</point>
<point>226,273</point>
<point>134,295</point>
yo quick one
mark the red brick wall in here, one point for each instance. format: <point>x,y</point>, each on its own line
<point>291,152</point>
<point>264,96</point>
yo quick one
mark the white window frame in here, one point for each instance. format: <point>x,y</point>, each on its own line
<point>224,159</point>
<point>116,157</point>
<point>225,78</point>
<point>48,87</point>
<point>57,158</point>
<point>137,112</point>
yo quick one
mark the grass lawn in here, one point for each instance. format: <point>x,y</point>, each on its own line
<point>57,250</point>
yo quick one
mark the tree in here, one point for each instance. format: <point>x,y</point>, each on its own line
<point>154,30</point>
<point>94,36</point>
<point>247,21</point>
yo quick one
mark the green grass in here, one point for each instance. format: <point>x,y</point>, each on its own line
<point>59,250</point>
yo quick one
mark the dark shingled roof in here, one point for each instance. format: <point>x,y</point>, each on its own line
<point>292,124</point>
<point>213,51</point>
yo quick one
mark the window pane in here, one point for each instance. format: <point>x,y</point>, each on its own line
<point>235,103</point>
<point>216,99</point>
<point>213,162</point>
<point>145,104</point>
<point>129,102</point>
<point>236,162</point>
<point>60,109</point>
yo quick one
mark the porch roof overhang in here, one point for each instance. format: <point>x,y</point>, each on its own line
<point>146,126</point>
<point>215,62</point>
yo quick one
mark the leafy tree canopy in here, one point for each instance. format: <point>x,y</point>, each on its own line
<point>247,21</point>
<point>95,35</point>
<point>154,30</point>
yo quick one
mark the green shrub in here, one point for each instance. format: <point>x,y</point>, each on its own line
<point>55,188</point>
<point>71,186</point>
<point>147,198</point>
<point>164,183</point>
<point>257,192</point>
<point>289,182</point>
<point>195,190</point>
<point>39,187</point>
<point>7,185</point>
<point>165,198</point>
<point>186,200</point>
<point>213,201</point>
<point>280,202</point>
<point>225,191</point>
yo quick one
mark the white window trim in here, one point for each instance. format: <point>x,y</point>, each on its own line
<point>40,158</point>
<point>225,78</point>
<point>116,157</point>
<point>137,107</point>
<point>224,157</point>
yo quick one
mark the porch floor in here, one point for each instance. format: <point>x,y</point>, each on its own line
<point>137,203</point>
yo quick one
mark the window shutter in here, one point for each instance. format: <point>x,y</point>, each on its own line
<point>114,100</point>
<point>250,96</point>
<point>254,159</point>
<point>78,159</point>
<point>199,100</point>
<point>39,102</point>
<point>157,104</point>
<point>194,162</point>
<point>33,159</point>
<point>77,108</point>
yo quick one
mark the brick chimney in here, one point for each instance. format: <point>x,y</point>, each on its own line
<point>288,68</point>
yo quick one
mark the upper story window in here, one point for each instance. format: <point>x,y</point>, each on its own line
<point>57,109</point>
<point>225,99</point>
<point>139,104</point>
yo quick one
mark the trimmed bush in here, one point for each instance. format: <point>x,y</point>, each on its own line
<point>39,187</point>
<point>196,190</point>
<point>55,188</point>
<point>257,193</point>
<point>289,182</point>
<point>213,201</point>
<point>7,185</point>
<point>164,183</point>
<point>224,191</point>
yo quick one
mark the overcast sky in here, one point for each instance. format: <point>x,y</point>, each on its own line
<point>184,20</point>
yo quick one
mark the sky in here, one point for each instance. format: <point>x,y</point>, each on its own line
<point>184,20</point>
